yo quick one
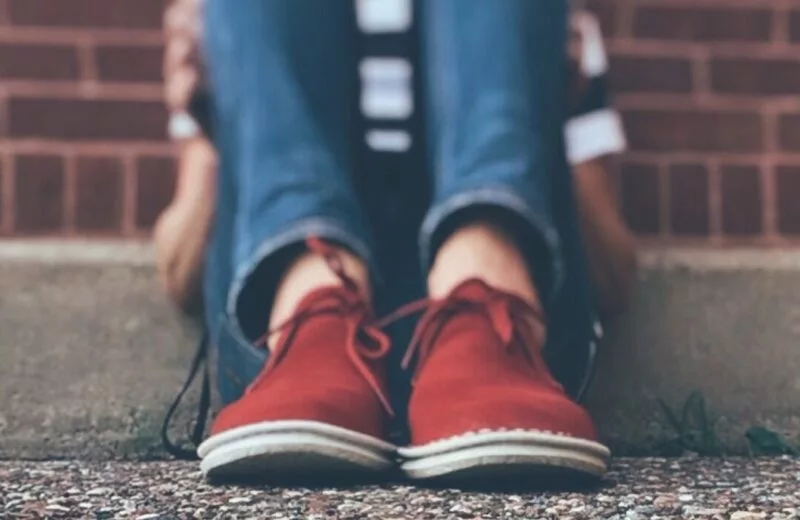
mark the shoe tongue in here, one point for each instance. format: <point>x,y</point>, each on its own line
<point>320,306</point>
<point>330,292</point>
<point>473,289</point>
<point>497,315</point>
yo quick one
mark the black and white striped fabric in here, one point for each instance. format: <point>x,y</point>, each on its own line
<point>594,129</point>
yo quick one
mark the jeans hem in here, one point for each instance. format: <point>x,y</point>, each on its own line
<point>500,197</point>
<point>295,233</point>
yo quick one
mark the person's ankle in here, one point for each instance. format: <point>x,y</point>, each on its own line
<point>309,272</point>
<point>485,251</point>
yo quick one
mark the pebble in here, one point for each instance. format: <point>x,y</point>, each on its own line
<point>663,501</point>
<point>747,515</point>
<point>96,492</point>
<point>700,511</point>
<point>461,511</point>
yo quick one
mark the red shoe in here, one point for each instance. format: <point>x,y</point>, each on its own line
<point>319,405</point>
<point>484,403</point>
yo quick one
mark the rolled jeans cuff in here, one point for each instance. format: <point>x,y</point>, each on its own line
<point>547,258</point>
<point>295,234</point>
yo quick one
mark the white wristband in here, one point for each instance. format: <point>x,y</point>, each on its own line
<point>183,126</point>
<point>594,135</point>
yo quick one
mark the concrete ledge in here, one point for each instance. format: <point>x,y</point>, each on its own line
<point>725,323</point>
<point>91,353</point>
<point>77,252</point>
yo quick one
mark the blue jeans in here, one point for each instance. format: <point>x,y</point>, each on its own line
<point>287,126</point>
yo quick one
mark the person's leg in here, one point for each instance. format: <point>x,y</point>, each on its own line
<point>610,245</point>
<point>283,77</point>
<point>484,400</point>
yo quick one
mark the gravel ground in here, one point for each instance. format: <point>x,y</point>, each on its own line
<point>738,489</point>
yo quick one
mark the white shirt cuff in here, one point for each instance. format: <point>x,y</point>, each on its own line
<point>594,135</point>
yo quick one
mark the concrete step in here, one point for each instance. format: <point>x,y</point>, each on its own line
<point>91,354</point>
<point>725,323</point>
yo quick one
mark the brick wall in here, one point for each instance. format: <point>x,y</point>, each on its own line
<point>82,126</point>
<point>709,91</point>
<point>711,96</point>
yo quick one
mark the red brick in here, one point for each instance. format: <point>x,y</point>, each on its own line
<point>688,188</point>
<point>129,63</point>
<point>742,210</point>
<point>99,194</point>
<point>789,131</point>
<point>788,192</point>
<point>3,118</point>
<point>155,185</point>
<point>3,173</point>
<point>134,14</point>
<point>39,194</point>
<point>703,24</point>
<point>694,130</point>
<point>648,74</point>
<point>78,119</point>
<point>755,76</point>
<point>41,62</point>
<point>794,25</point>
<point>641,200</point>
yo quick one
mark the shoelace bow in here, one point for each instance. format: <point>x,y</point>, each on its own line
<point>510,317</point>
<point>365,341</point>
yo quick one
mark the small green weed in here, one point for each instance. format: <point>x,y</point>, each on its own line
<point>696,433</point>
<point>767,442</point>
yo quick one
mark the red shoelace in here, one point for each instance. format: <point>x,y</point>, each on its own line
<point>511,317</point>
<point>365,340</point>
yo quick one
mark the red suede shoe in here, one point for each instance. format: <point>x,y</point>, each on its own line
<point>319,406</point>
<point>484,403</point>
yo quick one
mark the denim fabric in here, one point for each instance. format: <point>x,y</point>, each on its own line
<point>496,91</point>
<point>283,73</point>
<point>285,93</point>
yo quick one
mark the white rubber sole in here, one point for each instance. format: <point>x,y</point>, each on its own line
<point>285,450</point>
<point>493,455</point>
